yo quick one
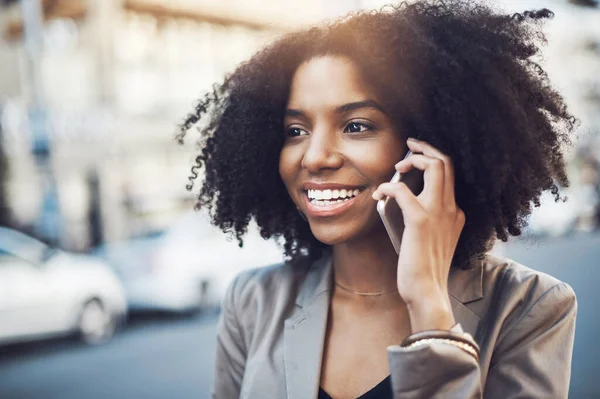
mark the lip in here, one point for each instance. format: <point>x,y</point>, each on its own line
<point>328,211</point>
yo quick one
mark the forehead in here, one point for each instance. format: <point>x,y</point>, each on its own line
<point>328,81</point>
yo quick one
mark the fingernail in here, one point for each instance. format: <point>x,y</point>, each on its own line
<point>414,140</point>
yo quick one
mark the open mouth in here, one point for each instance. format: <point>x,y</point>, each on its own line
<point>325,203</point>
<point>325,198</point>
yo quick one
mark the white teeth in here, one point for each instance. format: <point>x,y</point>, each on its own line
<point>331,196</point>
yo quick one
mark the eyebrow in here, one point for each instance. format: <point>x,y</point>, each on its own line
<point>344,108</point>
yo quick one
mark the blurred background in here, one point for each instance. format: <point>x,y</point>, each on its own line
<point>110,284</point>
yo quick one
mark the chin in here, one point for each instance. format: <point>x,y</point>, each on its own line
<point>330,237</point>
<point>338,233</point>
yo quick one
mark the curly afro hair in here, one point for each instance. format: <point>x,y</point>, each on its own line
<point>458,75</point>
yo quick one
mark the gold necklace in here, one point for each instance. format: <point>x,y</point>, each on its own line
<point>365,293</point>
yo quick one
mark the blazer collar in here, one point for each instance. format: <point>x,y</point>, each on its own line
<point>304,333</point>
<point>466,285</point>
<point>319,279</point>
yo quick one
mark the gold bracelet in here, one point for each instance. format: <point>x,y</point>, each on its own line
<point>462,345</point>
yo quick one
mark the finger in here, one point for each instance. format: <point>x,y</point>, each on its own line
<point>424,147</point>
<point>429,150</point>
<point>407,201</point>
<point>434,176</point>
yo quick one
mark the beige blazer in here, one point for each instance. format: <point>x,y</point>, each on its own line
<point>272,328</point>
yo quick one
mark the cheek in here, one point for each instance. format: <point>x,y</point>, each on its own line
<point>376,160</point>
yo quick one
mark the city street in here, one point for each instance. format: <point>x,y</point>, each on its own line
<point>166,357</point>
<point>159,357</point>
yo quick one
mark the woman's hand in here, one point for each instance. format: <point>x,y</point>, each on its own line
<point>433,223</point>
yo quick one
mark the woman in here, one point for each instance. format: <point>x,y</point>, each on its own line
<point>304,138</point>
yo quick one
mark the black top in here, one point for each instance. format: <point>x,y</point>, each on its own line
<point>383,390</point>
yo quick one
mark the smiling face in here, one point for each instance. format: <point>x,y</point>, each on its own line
<point>340,146</point>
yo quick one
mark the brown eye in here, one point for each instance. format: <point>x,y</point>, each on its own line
<point>356,127</point>
<point>295,132</point>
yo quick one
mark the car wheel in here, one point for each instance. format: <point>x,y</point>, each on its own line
<point>96,324</point>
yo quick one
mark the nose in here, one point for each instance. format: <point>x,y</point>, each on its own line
<point>322,152</point>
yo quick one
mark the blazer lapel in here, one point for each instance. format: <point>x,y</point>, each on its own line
<point>464,286</point>
<point>304,332</point>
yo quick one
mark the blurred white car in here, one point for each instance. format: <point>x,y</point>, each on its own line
<point>187,267</point>
<point>193,244</point>
<point>152,284</point>
<point>47,292</point>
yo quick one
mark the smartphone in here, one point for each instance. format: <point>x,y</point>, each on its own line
<point>390,211</point>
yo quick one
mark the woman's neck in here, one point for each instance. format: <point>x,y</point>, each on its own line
<point>368,264</point>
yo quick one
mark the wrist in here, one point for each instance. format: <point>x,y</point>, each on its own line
<point>432,312</point>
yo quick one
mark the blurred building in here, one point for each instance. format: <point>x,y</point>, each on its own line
<point>117,77</point>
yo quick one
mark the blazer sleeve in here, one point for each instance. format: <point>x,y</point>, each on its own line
<point>531,360</point>
<point>230,359</point>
